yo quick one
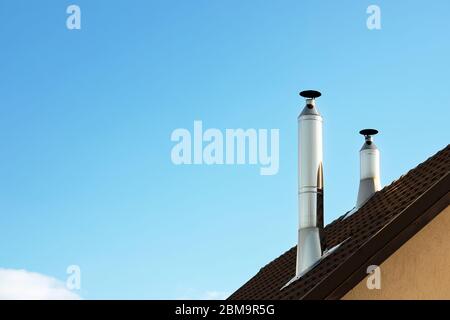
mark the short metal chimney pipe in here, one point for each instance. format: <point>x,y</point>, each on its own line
<point>310,184</point>
<point>369,182</point>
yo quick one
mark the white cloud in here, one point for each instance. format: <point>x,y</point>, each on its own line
<point>193,294</point>
<point>215,295</point>
<point>25,285</point>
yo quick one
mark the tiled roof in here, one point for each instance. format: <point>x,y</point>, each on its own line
<point>391,217</point>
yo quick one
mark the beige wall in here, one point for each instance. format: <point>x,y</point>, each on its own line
<point>420,269</point>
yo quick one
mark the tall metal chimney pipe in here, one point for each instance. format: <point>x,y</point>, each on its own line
<point>369,168</point>
<point>310,184</point>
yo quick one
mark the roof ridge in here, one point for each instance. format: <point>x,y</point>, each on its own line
<point>391,183</point>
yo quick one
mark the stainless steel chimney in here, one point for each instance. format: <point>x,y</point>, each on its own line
<point>369,168</point>
<point>310,184</point>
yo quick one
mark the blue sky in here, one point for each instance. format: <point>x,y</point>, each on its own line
<point>86,116</point>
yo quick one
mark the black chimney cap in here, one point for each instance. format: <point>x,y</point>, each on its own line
<point>310,94</point>
<point>368,132</point>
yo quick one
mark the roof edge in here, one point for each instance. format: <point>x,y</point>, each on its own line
<point>385,242</point>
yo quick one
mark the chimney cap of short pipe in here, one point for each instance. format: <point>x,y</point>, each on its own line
<point>310,94</point>
<point>368,132</point>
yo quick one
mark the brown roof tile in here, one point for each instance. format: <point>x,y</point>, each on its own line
<point>373,233</point>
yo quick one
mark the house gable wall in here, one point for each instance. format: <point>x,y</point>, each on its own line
<point>420,269</point>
